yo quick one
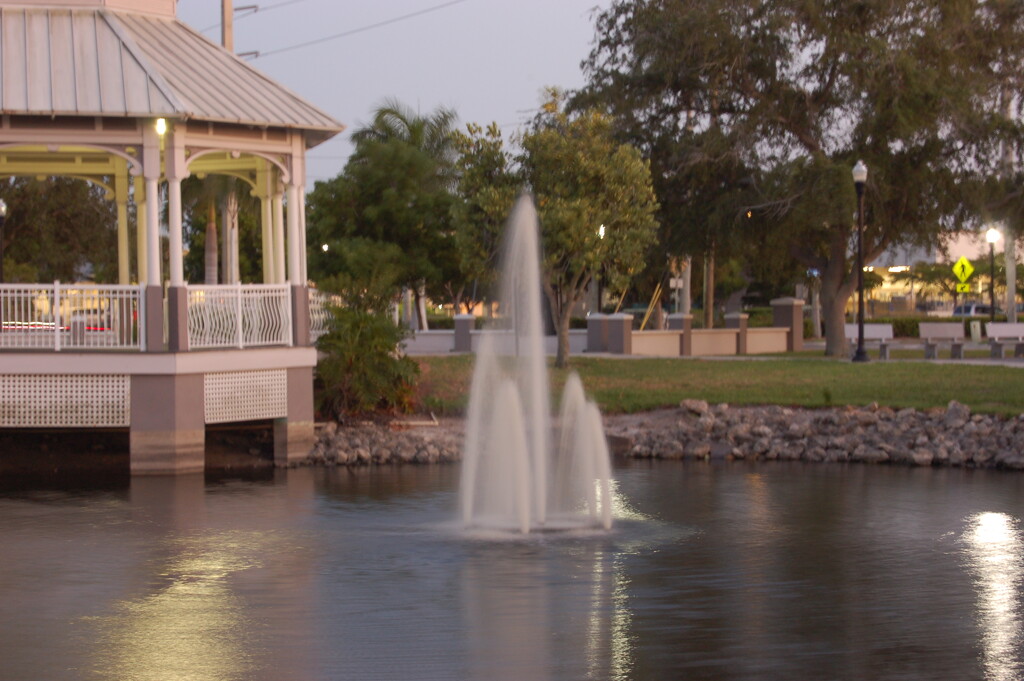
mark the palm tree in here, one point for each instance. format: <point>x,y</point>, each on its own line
<point>434,135</point>
<point>205,196</point>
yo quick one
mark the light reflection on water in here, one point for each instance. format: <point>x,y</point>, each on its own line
<point>996,557</point>
<point>711,572</point>
<point>194,627</point>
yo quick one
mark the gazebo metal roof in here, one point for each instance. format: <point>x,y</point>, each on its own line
<point>97,62</point>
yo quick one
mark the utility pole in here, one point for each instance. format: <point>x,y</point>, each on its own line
<point>227,25</point>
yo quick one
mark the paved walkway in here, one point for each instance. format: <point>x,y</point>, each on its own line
<point>439,343</point>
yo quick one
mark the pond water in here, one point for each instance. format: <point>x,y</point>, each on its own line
<point>729,571</point>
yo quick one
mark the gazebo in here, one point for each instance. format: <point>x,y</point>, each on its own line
<point>122,94</point>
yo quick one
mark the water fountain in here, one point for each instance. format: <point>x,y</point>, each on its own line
<point>516,475</point>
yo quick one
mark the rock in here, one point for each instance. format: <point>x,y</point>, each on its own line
<point>836,455</point>
<point>619,444</point>
<point>720,450</point>
<point>938,437</point>
<point>698,407</point>
<point>923,457</point>
<point>706,422</point>
<point>698,450</point>
<point>815,453</point>
<point>1010,460</point>
<point>957,415</point>
<point>866,454</point>
<point>673,450</point>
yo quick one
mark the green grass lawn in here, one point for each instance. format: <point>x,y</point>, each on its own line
<point>629,385</point>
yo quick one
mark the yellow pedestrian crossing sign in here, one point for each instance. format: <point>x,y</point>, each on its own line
<point>963,269</point>
<point>963,288</point>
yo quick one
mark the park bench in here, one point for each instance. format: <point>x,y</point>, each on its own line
<point>873,332</point>
<point>1000,333</point>
<point>933,333</point>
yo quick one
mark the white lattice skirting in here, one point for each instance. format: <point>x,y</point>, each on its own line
<point>65,401</point>
<point>245,395</point>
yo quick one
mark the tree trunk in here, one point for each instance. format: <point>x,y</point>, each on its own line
<point>687,285</point>
<point>562,356</point>
<point>421,308</point>
<point>836,289</point>
<point>834,313</point>
<point>1010,262</point>
<point>709,289</point>
<point>816,307</point>
<point>210,252</point>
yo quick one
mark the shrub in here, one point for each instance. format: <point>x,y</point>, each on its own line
<point>362,370</point>
<point>439,322</point>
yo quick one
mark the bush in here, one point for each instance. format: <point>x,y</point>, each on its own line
<point>362,370</point>
<point>440,322</point>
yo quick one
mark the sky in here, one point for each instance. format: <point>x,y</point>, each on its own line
<point>489,60</point>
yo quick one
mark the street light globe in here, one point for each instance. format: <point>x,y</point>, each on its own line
<point>3,208</point>
<point>860,173</point>
<point>992,235</point>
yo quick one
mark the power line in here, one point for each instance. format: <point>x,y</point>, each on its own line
<point>255,9</point>
<point>361,29</point>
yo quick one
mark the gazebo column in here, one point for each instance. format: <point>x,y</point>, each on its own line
<point>154,290</point>
<point>296,250</point>
<point>302,234</point>
<point>294,435</point>
<point>167,432</point>
<point>277,201</point>
<point>139,197</point>
<point>264,177</point>
<point>177,293</point>
<point>124,275</point>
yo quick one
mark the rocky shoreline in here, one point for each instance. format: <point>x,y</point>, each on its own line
<point>698,431</point>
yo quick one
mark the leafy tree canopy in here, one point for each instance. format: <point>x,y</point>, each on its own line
<point>58,229</point>
<point>395,189</point>
<point>583,179</point>
<point>764,107</point>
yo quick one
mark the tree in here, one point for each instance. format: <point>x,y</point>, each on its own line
<point>487,187</point>
<point>201,197</point>
<point>395,189</point>
<point>431,134</point>
<point>390,193</point>
<point>583,179</point>
<point>796,92</point>
<point>58,229</point>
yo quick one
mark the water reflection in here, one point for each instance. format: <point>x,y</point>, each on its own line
<point>186,616</point>
<point>712,572</point>
<point>191,627</point>
<point>994,546</point>
<point>532,607</point>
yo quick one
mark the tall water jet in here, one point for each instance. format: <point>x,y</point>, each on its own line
<point>512,476</point>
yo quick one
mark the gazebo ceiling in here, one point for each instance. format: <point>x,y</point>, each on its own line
<point>61,61</point>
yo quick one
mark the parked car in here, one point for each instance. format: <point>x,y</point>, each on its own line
<point>974,310</point>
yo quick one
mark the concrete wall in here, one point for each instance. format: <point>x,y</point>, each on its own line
<point>766,340</point>
<point>656,343</point>
<point>712,342</point>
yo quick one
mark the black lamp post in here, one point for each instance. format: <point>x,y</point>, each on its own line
<point>992,236</point>
<point>860,176</point>
<point>3,217</point>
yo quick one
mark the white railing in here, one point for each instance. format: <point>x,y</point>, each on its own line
<point>237,316</point>
<point>320,317</point>
<point>71,317</point>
